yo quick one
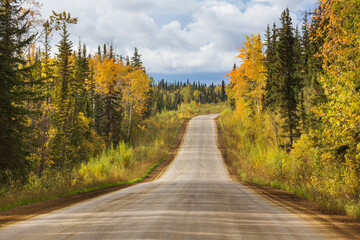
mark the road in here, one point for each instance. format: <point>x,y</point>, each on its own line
<point>194,199</point>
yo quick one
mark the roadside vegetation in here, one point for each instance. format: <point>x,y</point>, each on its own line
<point>295,115</point>
<point>121,164</point>
<point>73,121</point>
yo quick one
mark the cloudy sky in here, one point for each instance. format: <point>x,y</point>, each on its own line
<point>195,39</point>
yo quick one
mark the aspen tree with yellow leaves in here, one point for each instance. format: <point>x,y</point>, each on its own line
<point>135,88</point>
<point>248,80</point>
<point>340,114</point>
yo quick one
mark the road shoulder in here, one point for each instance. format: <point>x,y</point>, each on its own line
<point>32,210</point>
<point>340,225</point>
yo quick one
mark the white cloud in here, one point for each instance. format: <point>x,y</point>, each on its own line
<point>173,36</point>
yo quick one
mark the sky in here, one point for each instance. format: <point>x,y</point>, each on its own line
<point>178,40</point>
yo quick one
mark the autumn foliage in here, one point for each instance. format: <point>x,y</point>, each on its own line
<point>305,135</point>
<point>248,80</point>
<point>74,119</point>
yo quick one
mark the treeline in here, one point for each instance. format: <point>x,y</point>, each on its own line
<point>303,90</point>
<point>58,111</point>
<point>283,78</point>
<point>171,95</point>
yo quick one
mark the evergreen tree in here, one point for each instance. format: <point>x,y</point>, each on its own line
<point>105,53</point>
<point>13,30</point>
<point>136,59</point>
<point>47,67</point>
<point>99,51</point>
<point>111,52</point>
<point>223,93</point>
<point>299,77</point>
<point>271,63</point>
<point>127,60</point>
<point>305,105</point>
<point>65,142</point>
<point>80,69</point>
<point>288,83</point>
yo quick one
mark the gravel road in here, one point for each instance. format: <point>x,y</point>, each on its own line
<point>194,199</point>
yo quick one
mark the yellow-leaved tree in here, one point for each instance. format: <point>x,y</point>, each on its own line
<point>106,74</point>
<point>135,86</point>
<point>339,135</point>
<point>248,80</point>
<point>107,77</point>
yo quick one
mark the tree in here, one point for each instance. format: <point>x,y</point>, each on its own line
<point>316,95</point>
<point>248,80</point>
<point>136,59</point>
<point>135,88</point>
<point>271,63</point>
<point>339,23</point>
<point>107,78</point>
<point>288,83</point>
<point>13,29</point>
<point>64,120</point>
<point>223,93</point>
<point>197,96</point>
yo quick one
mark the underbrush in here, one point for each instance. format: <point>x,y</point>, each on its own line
<point>255,148</point>
<point>125,163</point>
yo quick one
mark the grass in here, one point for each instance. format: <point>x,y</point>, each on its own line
<point>123,164</point>
<point>258,157</point>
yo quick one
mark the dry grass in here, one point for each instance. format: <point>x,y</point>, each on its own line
<point>258,156</point>
<point>119,165</point>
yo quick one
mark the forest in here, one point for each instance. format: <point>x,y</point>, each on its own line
<point>74,119</point>
<point>295,100</point>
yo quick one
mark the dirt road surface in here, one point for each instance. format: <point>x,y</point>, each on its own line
<point>194,199</point>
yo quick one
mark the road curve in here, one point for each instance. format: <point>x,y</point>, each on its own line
<point>194,199</point>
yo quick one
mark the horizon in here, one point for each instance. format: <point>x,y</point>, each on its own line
<point>198,40</point>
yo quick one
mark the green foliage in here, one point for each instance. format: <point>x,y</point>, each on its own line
<point>271,63</point>
<point>288,83</point>
<point>170,96</point>
<point>109,164</point>
<point>13,41</point>
<point>136,59</point>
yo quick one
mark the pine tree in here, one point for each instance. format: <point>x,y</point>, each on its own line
<point>305,75</point>
<point>65,117</point>
<point>299,77</point>
<point>288,83</point>
<point>105,54</point>
<point>223,93</point>
<point>13,30</point>
<point>136,59</point>
<point>271,63</point>
<point>99,51</point>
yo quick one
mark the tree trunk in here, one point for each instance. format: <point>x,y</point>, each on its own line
<point>130,114</point>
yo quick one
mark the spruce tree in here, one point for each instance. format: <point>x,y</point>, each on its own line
<point>299,76</point>
<point>136,59</point>
<point>13,40</point>
<point>223,93</point>
<point>288,83</point>
<point>272,66</point>
<point>65,142</point>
